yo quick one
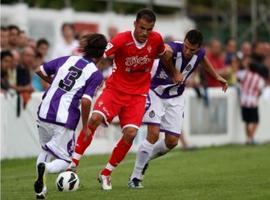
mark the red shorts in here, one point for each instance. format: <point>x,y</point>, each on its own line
<point>129,108</point>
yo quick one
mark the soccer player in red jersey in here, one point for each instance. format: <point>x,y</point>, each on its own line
<point>126,89</point>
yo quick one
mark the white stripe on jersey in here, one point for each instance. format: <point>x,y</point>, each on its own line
<point>251,86</point>
<point>178,63</point>
<point>61,74</point>
<point>66,99</point>
<point>188,69</point>
<point>252,90</point>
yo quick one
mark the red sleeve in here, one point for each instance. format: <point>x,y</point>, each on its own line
<point>114,45</point>
<point>161,46</point>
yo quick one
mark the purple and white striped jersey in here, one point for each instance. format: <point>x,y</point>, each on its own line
<point>74,77</point>
<point>162,84</point>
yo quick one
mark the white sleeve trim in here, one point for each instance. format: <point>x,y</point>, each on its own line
<point>163,52</point>
<point>87,97</point>
<point>43,71</point>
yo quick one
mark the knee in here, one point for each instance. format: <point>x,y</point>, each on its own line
<point>95,120</point>
<point>152,137</point>
<point>129,134</point>
<point>171,143</point>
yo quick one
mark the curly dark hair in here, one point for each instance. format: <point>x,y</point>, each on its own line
<point>95,45</point>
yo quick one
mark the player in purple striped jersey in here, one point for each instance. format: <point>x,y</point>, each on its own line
<point>165,106</point>
<point>74,81</point>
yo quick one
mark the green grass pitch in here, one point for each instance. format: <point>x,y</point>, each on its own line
<point>227,172</point>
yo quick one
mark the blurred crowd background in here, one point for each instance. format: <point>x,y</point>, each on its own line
<point>233,39</point>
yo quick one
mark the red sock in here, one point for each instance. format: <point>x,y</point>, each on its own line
<point>81,145</point>
<point>117,156</point>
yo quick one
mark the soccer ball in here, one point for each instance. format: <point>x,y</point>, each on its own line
<point>67,181</point>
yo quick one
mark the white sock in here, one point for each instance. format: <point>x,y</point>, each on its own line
<point>110,167</point>
<point>56,166</point>
<point>44,156</point>
<point>160,149</point>
<point>143,156</point>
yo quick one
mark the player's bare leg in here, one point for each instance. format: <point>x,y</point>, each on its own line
<point>84,140</point>
<point>251,130</point>
<point>118,154</point>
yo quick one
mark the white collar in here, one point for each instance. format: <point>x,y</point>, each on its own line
<point>138,44</point>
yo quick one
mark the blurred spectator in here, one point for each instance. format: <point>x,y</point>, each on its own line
<point>22,40</point>
<point>6,62</point>
<point>231,59</point>
<point>12,72</point>
<point>37,83</point>
<point>68,44</point>
<point>31,43</point>
<point>112,31</point>
<point>251,85</point>
<point>259,55</point>
<point>43,48</point>
<point>230,53</point>
<point>4,39</point>
<point>24,86</point>
<point>244,63</point>
<point>13,38</point>
<point>217,59</point>
<point>267,62</point>
<point>245,50</point>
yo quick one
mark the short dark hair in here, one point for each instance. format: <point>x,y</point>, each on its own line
<point>95,45</point>
<point>12,26</point>
<point>3,28</point>
<point>146,14</point>
<point>227,40</point>
<point>194,36</point>
<point>68,25</point>
<point>38,55</point>
<point>42,41</point>
<point>5,53</point>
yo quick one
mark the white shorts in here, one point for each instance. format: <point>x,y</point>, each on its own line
<point>167,113</point>
<point>57,140</point>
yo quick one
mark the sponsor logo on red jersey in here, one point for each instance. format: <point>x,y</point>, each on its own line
<point>136,60</point>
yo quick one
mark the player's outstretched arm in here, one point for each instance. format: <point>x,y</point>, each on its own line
<point>167,60</point>
<point>46,78</point>
<point>86,106</point>
<point>210,69</point>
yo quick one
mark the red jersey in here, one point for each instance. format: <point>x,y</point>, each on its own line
<point>218,63</point>
<point>133,62</point>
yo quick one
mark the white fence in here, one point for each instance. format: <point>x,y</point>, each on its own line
<point>218,124</point>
